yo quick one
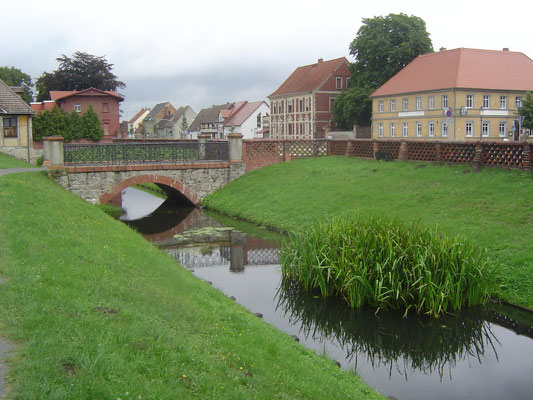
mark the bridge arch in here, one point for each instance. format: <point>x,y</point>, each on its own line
<point>150,178</point>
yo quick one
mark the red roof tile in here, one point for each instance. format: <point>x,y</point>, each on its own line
<point>243,113</point>
<point>308,77</point>
<point>462,68</point>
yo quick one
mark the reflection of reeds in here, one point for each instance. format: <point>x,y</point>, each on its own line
<point>388,265</point>
<point>386,338</point>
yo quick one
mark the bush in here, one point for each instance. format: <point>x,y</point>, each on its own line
<point>388,265</point>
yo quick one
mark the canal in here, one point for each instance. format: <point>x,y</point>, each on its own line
<point>480,353</point>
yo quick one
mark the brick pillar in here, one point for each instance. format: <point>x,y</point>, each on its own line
<point>53,150</point>
<point>403,152</point>
<point>527,161</point>
<point>286,151</point>
<point>349,148</point>
<point>375,147</point>
<point>438,152</point>
<point>476,164</point>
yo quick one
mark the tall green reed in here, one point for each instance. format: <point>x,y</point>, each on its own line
<point>388,265</point>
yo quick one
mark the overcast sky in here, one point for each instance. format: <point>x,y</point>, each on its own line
<point>202,52</point>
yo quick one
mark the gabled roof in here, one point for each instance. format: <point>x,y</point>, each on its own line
<point>138,115</point>
<point>207,115</point>
<point>63,94</point>
<point>11,103</point>
<point>158,107</point>
<point>309,77</point>
<point>242,113</point>
<point>462,68</point>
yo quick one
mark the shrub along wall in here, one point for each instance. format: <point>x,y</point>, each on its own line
<point>260,153</point>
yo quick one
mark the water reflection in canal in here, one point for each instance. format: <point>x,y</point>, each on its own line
<point>476,354</point>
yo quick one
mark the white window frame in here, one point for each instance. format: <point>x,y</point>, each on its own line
<point>380,106</point>
<point>486,101</point>
<point>392,129</point>
<point>518,102</point>
<point>503,102</point>
<point>77,107</point>
<point>392,105</point>
<point>431,102</point>
<point>431,129</point>
<point>405,104</point>
<point>485,132</point>
<point>469,129</point>
<point>405,129</point>
<point>418,129</point>
<point>380,129</point>
<point>444,100</point>
<point>338,82</point>
<point>444,129</point>
<point>419,103</point>
<point>469,101</point>
<point>502,128</point>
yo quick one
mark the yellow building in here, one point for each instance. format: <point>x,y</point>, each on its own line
<point>460,94</point>
<point>15,124</point>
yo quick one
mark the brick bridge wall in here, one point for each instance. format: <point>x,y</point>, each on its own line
<point>100,184</point>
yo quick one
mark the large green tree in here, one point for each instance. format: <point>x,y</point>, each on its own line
<point>382,47</point>
<point>526,111</point>
<point>81,71</point>
<point>15,77</point>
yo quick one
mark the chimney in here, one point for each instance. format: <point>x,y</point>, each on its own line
<point>320,60</point>
<point>506,49</point>
<point>18,90</point>
<point>442,49</point>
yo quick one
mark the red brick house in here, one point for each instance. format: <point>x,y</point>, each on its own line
<point>105,103</point>
<point>302,107</point>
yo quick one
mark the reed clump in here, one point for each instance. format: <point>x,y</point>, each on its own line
<point>388,265</point>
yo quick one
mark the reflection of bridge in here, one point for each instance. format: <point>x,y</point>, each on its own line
<point>201,256</point>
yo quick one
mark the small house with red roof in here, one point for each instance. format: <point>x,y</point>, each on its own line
<point>459,94</point>
<point>246,118</point>
<point>105,103</point>
<point>302,107</point>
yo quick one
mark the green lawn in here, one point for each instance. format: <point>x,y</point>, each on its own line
<point>12,162</point>
<point>493,208</point>
<point>96,312</point>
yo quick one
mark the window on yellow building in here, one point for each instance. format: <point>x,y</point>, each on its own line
<point>444,129</point>
<point>393,105</point>
<point>517,102</point>
<point>431,102</point>
<point>502,128</point>
<point>469,101</point>
<point>10,127</point>
<point>431,129</point>
<point>503,102</point>
<point>392,129</point>
<point>380,129</point>
<point>485,129</point>
<point>419,129</point>
<point>380,106</point>
<point>469,129</point>
<point>444,101</point>
<point>419,103</point>
<point>486,101</point>
<point>405,104</point>
<point>405,129</point>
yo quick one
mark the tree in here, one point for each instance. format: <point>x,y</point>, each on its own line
<point>183,127</point>
<point>526,111</point>
<point>15,77</point>
<point>50,123</point>
<point>82,71</point>
<point>91,125</point>
<point>382,47</point>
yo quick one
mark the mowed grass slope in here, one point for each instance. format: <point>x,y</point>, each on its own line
<point>493,208</point>
<point>96,312</point>
<point>7,161</point>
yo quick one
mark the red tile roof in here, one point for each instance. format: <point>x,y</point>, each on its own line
<point>61,94</point>
<point>242,113</point>
<point>309,77</point>
<point>462,68</point>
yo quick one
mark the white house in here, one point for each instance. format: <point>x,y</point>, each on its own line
<point>246,118</point>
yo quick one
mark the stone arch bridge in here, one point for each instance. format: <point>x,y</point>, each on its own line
<point>186,171</point>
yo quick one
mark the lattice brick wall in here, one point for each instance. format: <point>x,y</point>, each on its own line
<point>502,155</point>
<point>421,151</point>
<point>392,147</point>
<point>458,152</point>
<point>362,148</point>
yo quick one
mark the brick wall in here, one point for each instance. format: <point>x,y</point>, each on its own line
<point>518,155</point>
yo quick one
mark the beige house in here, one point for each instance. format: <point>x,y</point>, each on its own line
<point>15,124</point>
<point>460,94</point>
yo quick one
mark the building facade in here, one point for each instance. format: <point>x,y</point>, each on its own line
<point>246,118</point>
<point>460,94</point>
<point>302,107</point>
<point>15,124</point>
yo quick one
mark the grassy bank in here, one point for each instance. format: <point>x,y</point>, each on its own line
<point>96,312</point>
<point>7,161</point>
<point>493,208</point>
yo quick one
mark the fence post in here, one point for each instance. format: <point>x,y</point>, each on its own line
<point>349,148</point>
<point>286,151</point>
<point>202,144</point>
<point>375,147</point>
<point>53,150</point>
<point>438,152</point>
<point>403,151</point>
